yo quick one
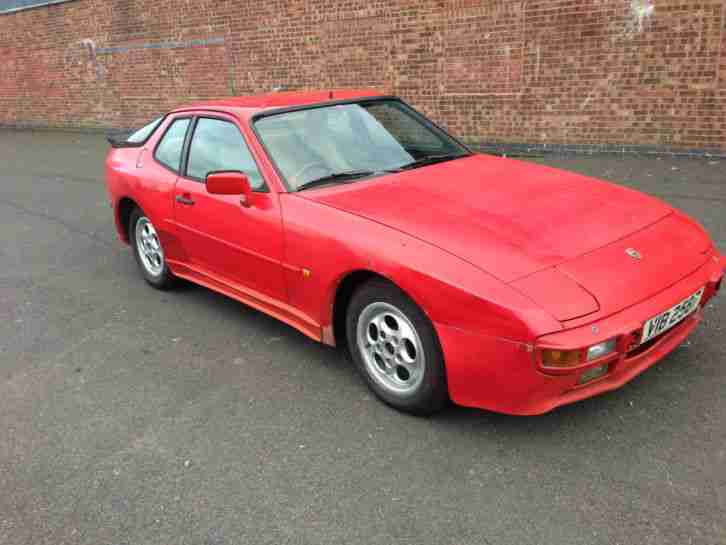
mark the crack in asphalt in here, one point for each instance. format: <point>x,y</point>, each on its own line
<point>55,177</point>
<point>55,219</point>
<point>63,179</point>
<point>689,197</point>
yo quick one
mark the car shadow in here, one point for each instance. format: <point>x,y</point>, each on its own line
<point>655,390</point>
<point>652,398</point>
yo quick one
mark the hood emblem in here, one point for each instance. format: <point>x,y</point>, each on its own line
<point>635,254</point>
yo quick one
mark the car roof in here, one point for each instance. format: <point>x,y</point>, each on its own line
<point>287,99</point>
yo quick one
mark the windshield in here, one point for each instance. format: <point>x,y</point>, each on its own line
<point>325,144</point>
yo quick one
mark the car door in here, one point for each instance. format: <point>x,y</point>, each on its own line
<point>226,242</point>
<point>158,164</point>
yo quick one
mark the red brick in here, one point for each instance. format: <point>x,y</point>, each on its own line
<point>510,71</point>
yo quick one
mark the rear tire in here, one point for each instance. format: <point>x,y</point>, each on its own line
<point>148,251</point>
<point>396,350</point>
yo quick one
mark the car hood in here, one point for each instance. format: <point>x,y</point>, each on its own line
<point>506,217</point>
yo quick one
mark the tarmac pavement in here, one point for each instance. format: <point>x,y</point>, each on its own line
<point>131,416</point>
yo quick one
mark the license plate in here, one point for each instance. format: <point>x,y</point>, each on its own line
<point>671,317</point>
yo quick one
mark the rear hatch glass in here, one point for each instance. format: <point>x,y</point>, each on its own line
<point>135,139</point>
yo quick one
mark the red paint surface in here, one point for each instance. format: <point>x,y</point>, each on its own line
<point>503,256</point>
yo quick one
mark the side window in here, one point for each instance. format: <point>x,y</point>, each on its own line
<point>169,150</point>
<point>218,145</point>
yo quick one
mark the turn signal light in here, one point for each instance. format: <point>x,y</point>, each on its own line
<point>561,358</point>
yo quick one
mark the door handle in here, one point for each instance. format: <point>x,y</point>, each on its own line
<point>181,199</point>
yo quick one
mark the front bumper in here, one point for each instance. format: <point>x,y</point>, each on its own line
<point>502,375</point>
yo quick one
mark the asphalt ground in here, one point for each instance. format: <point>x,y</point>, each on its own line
<point>132,416</point>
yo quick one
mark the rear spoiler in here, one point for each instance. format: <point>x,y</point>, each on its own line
<point>120,141</point>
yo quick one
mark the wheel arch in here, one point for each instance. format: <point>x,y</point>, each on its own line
<point>124,207</point>
<point>344,291</point>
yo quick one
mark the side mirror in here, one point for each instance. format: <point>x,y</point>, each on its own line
<point>230,183</point>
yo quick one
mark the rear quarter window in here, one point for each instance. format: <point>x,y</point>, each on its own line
<point>137,138</point>
<point>142,135</point>
<point>169,149</point>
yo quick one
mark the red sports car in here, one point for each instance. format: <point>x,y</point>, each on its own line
<point>447,274</point>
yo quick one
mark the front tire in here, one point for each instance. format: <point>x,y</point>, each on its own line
<point>148,251</point>
<point>396,350</point>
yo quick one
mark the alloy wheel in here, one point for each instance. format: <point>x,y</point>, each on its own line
<point>391,348</point>
<point>148,246</point>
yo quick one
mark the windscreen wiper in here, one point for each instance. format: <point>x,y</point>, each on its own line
<point>340,177</point>
<point>430,160</point>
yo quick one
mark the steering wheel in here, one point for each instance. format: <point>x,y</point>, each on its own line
<point>303,170</point>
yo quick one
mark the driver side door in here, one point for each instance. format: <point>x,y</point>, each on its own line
<point>230,246</point>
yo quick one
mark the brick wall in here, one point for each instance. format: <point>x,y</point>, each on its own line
<point>614,72</point>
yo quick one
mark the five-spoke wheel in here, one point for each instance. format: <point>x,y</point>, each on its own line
<point>395,347</point>
<point>392,349</point>
<point>149,251</point>
<point>149,246</point>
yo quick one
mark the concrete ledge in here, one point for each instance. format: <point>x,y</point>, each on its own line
<point>89,129</point>
<point>593,149</point>
<point>23,5</point>
<point>495,148</point>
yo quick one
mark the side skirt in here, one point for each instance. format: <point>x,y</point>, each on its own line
<point>277,309</point>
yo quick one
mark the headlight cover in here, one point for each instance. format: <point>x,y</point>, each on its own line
<point>600,350</point>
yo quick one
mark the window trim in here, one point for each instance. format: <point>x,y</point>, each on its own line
<point>360,100</point>
<point>161,139</point>
<point>188,148</point>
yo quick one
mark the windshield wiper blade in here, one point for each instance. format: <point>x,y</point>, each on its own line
<point>348,175</point>
<point>430,160</point>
